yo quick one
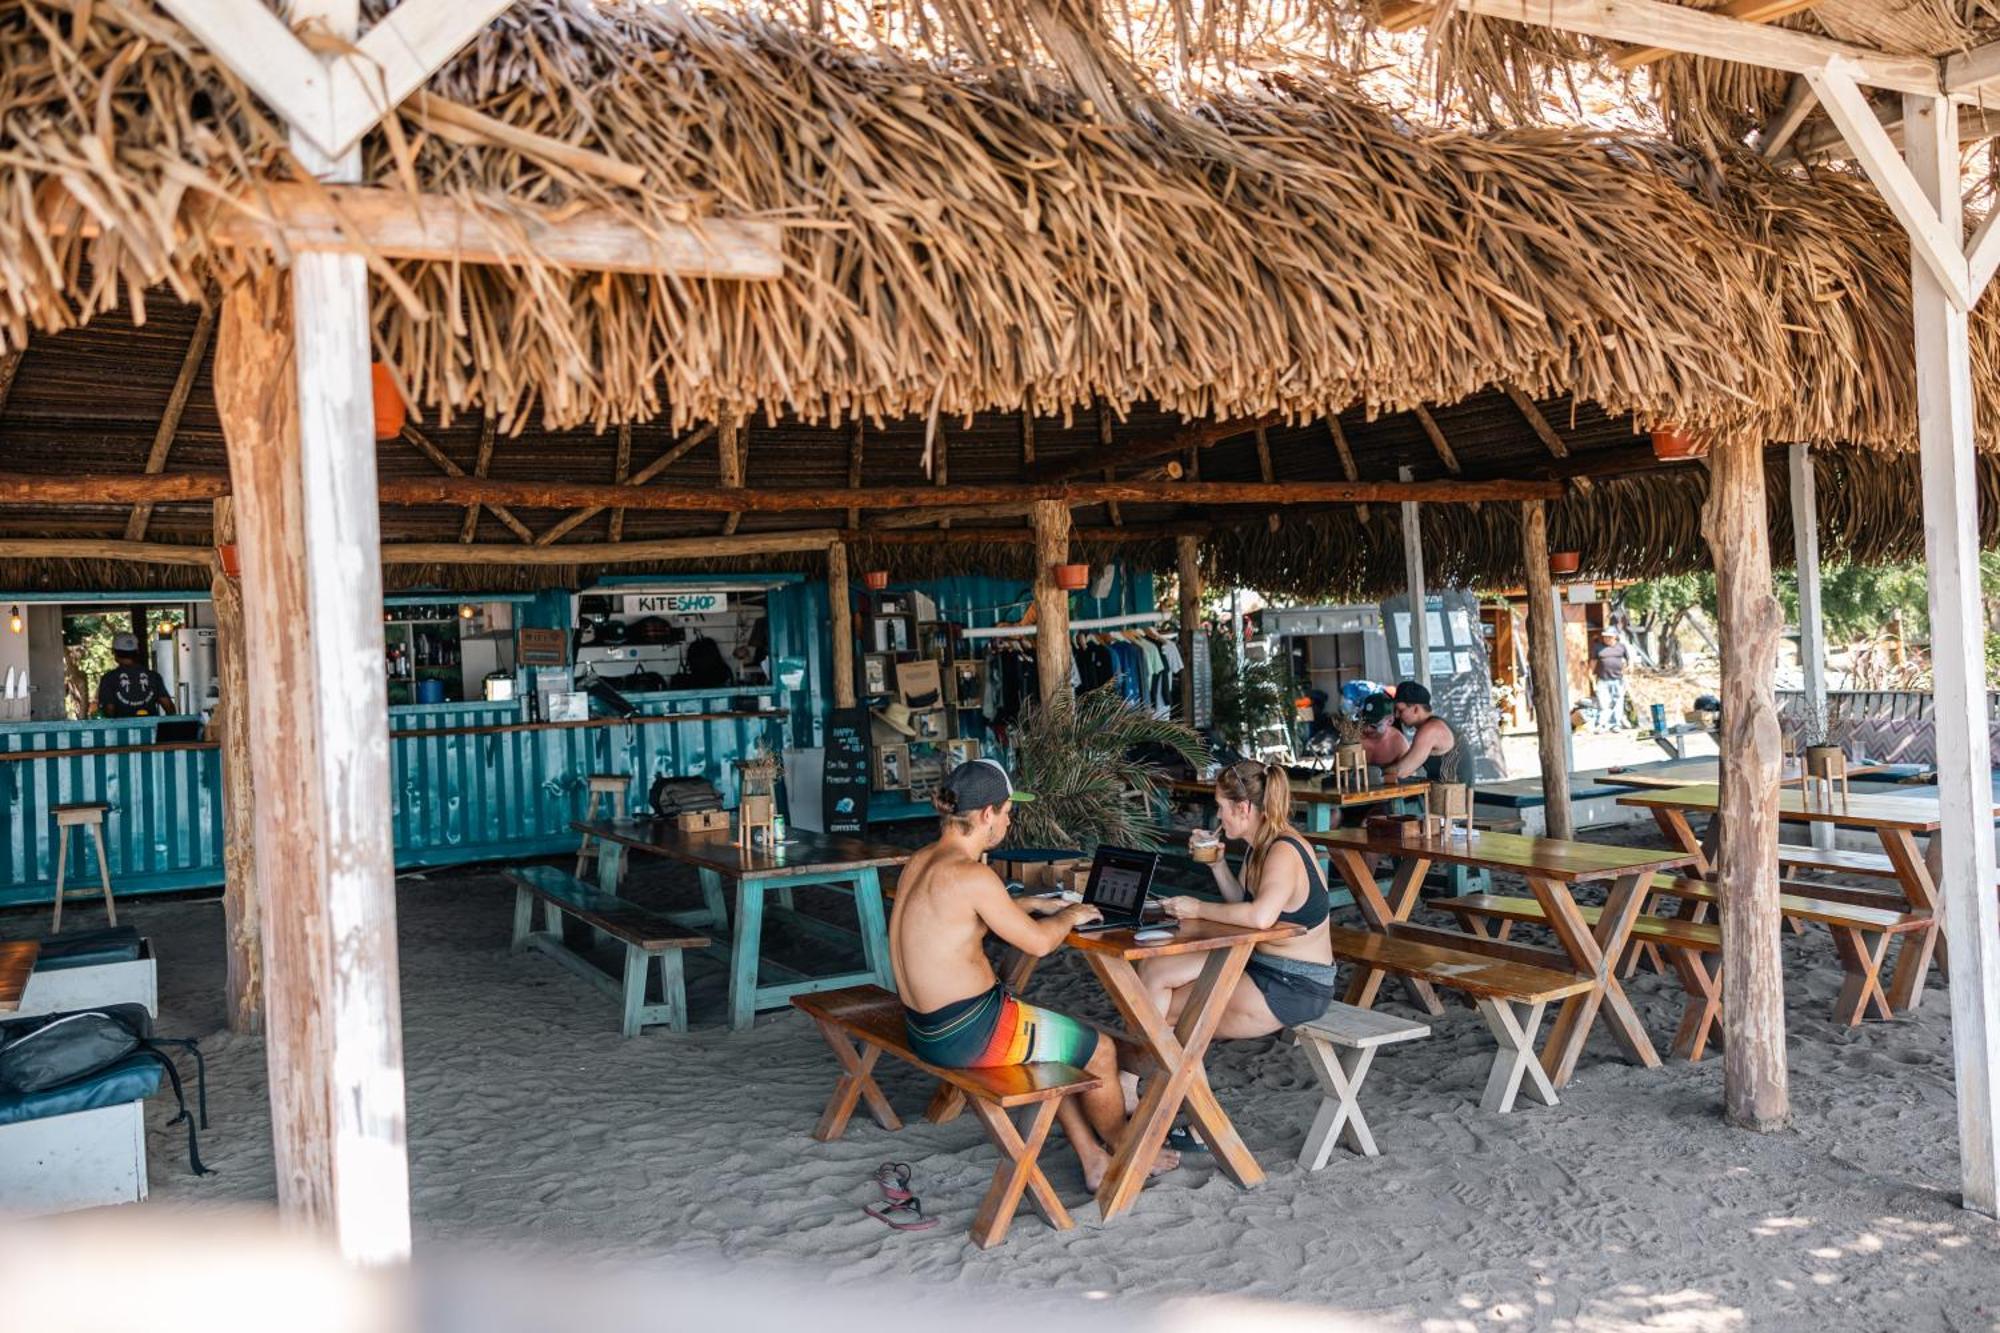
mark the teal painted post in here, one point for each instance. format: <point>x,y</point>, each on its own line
<point>711,895</point>
<point>673,989</point>
<point>744,949</point>
<point>874,928</point>
<point>1321,817</point>
<point>610,865</point>
<point>524,918</point>
<point>635,990</point>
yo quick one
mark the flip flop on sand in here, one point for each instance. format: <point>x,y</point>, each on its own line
<point>902,1215</point>
<point>1184,1139</point>
<point>894,1178</point>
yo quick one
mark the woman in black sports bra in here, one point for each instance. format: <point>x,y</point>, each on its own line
<point>1288,981</point>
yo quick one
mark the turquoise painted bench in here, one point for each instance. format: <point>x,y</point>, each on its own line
<point>645,936</point>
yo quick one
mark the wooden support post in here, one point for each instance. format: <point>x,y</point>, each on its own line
<point>1755,1089</point>
<point>1963,848</point>
<point>1052,651</point>
<point>1111,473</point>
<point>1812,623</point>
<point>840,622</point>
<point>1546,664</point>
<point>294,395</point>
<point>854,471</point>
<point>1188,559</point>
<point>170,417</point>
<point>621,469</point>
<point>242,935</point>
<point>1347,467</point>
<point>1265,470</point>
<point>1413,568</point>
<point>469,529</point>
<point>732,439</point>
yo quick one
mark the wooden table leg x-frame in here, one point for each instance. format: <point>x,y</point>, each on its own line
<point>1380,913</point>
<point>1594,953</point>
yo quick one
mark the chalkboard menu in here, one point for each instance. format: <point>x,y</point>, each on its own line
<point>1204,683</point>
<point>844,785</point>
<point>1461,679</point>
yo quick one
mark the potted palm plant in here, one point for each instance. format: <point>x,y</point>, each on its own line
<point>1097,766</point>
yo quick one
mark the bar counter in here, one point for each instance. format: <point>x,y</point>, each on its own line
<point>468,782</point>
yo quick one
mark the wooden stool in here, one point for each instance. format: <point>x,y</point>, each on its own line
<point>90,817</point>
<point>615,786</point>
<point>1340,1045</point>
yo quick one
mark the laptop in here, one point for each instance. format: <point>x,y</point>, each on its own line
<point>1120,881</point>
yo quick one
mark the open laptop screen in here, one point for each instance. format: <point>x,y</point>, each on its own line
<point>1119,879</point>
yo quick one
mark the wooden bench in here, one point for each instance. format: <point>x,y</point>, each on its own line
<point>874,1018</point>
<point>645,935</point>
<point>1861,935</point>
<point>1510,994</point>
<point>1340,1045</point>
<point>1834,861</point>
<point>1687,944</point>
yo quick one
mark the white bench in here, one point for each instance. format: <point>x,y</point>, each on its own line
<point>1340,1045</point>
<point>133,981</point>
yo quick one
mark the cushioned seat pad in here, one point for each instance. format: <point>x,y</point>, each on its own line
<point>87,948</point>
<point>132,1078</point>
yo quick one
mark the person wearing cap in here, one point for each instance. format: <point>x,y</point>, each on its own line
<point>1607,669</point>
<point>130,689</point>
<point>1380,740</point>
<point>1431,737</point>
<point>957,1013</point>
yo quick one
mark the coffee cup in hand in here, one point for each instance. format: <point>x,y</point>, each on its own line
<point>1204,847</point>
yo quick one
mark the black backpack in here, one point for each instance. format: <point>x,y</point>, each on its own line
<point>675,796</point>
<point>704,667</point>
<point>49,1050</point>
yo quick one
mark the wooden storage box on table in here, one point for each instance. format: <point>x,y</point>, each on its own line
<point>702,821</point>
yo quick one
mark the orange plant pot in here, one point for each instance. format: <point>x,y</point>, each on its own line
<point>1565,562</point>
<point>1674,442</point>
<point>875,580</point>
<point>232,564</point>
<point>1071,578</point>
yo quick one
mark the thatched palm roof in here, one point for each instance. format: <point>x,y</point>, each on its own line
<point>958,247</point>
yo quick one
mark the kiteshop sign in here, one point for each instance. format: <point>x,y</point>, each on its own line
<point>676,603</point>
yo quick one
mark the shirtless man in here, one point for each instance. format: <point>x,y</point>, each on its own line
<point>1431,737</point>
<point>1380,739</point>
<point>958,1014</point>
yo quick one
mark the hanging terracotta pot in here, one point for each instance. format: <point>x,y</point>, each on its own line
<point>390,410</point>
<point>1671,441</point>
<point>232,564</point>
<point>875,580</point>
<point>1071,578</point>
<point>1565,562</point>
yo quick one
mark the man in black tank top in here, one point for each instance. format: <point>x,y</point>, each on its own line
<point>1431,737</point>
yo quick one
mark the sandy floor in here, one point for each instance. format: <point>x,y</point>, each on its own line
<point>532,1124</point>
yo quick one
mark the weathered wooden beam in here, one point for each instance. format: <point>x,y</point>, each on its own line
<point>732,441</point>
<point>854,450</point>
<point>1016,536</point>
<point>601,553</point>
<point>1755,1089</point>
<point>1413,579</point>
<point>1749,11</point>
<point>170,418</point>
<point>621,468</point>
<point>470,528</point>
<point>840,623</point>
<point>1438,441</point>
<point>1266,470</point>
<point>1187,564</point>
<point>91,548</point>
<point>1545,660</point>
<point>1346,455</point>
<point>1784,127</point>
<point>1193,437</point>
<point>116,489</point>
<point>242,928</point>
<point>388,222</point>
<point>1052,647</point>
<point>620,501</point>
<point>1538,423</point>
<point>443,461</point>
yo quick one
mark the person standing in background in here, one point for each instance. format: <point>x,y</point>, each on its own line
<point>131,689</point>
<point>1607,670</point>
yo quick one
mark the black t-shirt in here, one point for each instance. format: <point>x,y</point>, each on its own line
<point>1609,660</point>
<point>130,692</point>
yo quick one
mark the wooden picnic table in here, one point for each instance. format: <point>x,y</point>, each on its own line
<point>1895,821</point>
<point>1553,868</point>
<point>1320,805</point>
<point>1177,1051</point>
<point>1792,774</point>
<point>17,960</point>
<point>815,859</point>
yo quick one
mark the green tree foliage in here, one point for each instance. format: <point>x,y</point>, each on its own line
<point>1093,762</point>
<point>1258,696</point>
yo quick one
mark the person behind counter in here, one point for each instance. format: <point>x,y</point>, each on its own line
<point>131,689</point>
<point>1431,737</point>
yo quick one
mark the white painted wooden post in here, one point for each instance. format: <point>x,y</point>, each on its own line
<point>1812,624</point>
<point>1965,779</point>
<point>1413,567</point>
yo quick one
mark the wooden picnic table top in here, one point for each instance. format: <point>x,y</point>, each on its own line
<point>1541,858</point>
<point>801,853</point>
<point>1393,791</point>
<point>1914,814</point>
<point>1191,937</point>
<point>1662,780</point>
<point>17,960</point>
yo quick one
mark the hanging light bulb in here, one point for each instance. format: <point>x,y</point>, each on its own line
<point>14,621</point>
<point>465,610</point>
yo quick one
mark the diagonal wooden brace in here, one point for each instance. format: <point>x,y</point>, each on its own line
<point>857,1082</point>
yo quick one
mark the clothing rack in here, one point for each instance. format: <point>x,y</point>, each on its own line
<point>1076,626</point>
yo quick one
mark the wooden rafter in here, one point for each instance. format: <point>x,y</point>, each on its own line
<point>170,417</point>
<point>639,478</point>
<point>1197,436</point>
<point>1784,127</point>
<point>1438,441</point>
<point>1536,421</point>
<point>1346,455</point>
<point>1110,473</point>
<point>470,528</point>
<point>415,439</point>
<point>458,490</point>
<point>10,366</point>
<point>621,469</point>
<point>1747,11</point>
<point>1265,469</point>
<point>732,443</point>
<point>854,448</point>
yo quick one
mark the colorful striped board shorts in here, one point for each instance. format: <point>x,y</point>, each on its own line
<point>994,1028</point>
